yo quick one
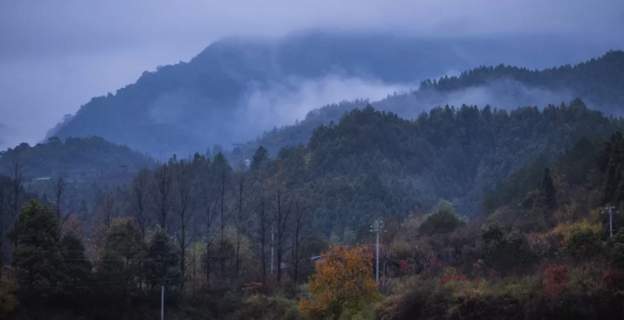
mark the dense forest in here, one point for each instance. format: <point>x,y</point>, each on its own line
<point>592,80</point>
<point>486,213</point>
<point>222,95</point>
<point>74,158</point>
<point>503,86</point>
<point>311,160</point>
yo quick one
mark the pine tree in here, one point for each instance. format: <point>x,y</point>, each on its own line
<point>548,190</point>
<point>77,268</point>
<point>37,260</point>
<point>161,261</point>
<point>119,265</point>
<point>259,158</point>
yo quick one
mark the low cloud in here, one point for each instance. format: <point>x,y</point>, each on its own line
<point>507,94</point>
<point>502,94</point>
<point>81,54</point>
<point>285,103</point>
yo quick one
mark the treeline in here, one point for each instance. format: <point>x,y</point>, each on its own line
<point>593,80</point>
<point>195,226</point>
<point>597,81</point>
<point>79,159</point>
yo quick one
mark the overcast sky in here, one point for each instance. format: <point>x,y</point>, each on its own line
<point>57,54</point>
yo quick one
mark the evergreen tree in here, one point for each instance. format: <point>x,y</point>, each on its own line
<point>37,260</point>
<point>77,268</point>
<point>548,190</point>
<point>443,220</point>
<point>161,261</point>
<point>119,269</point>
<point>259,158</point>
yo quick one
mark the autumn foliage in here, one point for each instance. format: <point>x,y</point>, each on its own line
<point>556,278</point>
<point>343,285</point>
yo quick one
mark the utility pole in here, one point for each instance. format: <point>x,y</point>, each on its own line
<point>162,302</point>
<point>377,228</point>
<point>610,210</point>
<point>272,248</point>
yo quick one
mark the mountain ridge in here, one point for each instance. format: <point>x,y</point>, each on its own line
<point>191,106</point>
<point>497,86</point>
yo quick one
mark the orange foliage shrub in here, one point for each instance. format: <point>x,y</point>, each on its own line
<point>343,283</point>
<point>454,277</point>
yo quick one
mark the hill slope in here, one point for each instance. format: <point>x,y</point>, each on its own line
<point>237,88</point>
<point>373,163</point>
<point>75,159</point>
<point>600,81</point>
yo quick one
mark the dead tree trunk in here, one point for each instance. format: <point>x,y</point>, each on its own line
<point>262,238</point>
<point>59,191</point>
<point>296,241</point>
<point>280,224</point>
<point>239,219</point>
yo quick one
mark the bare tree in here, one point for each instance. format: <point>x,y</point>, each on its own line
<point>281,220</point>
<point>222,219</point>
<point>163,190</point>
<point>3,216</point>
<point>183,186</point>
<point>59,190</point>
<point>298,230</point>
<point>263,224</point>
<point>239,224</point>
<point>17,180</point>
<point>16,191</point>
<point>209,216</point>
<point>206,203</point>
<point>106,207</point>
<point>140,186</point>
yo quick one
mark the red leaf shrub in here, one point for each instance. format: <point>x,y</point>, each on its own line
<point>555,279</point>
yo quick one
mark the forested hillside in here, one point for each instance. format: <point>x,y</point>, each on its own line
<point>80,159</point>
<point>595,80</point>
<point>487,212</point>
<point>505,87</point>
<point>237,88</point>
<point>373,163</point>
<point>311,160</point>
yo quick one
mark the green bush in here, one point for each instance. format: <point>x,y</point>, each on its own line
<point>443,220</point>
<point>583,241</point>
<point>261,307</point>
<point>8,298</point>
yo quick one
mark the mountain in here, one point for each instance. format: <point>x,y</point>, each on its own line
<point>239,87</point>
<point>75,159</point>
<point>598,81</point>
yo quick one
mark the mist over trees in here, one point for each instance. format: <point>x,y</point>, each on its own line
<point>504,87</point>
<point>200,226</point>
<point>222,95</point>
<point>487,211</point>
